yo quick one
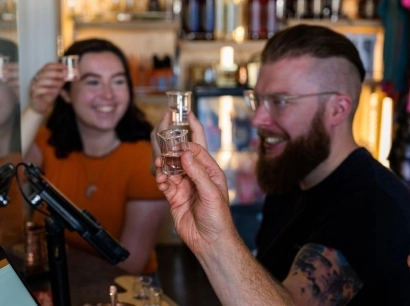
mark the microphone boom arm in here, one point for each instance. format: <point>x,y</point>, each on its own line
<point>73,218</point>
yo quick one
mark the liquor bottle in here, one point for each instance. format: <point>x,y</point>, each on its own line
<point>234,20</point>
<point>272,21</point>
<point>332,9</point>
<point>368,9</point>
<point>198,19</point>
<point>190,18</point>
<point>219,26</point>
<point>281,11</point>
<point>290,8</point>
<point>336,7</point>
<point>257,19</point>
<point>207,19</point>
<point>263,19</point>
<point>239,33</point>
<point>153,5</point>
<point>317,9</point>
<point>327,9</point>
<point>301,9</point>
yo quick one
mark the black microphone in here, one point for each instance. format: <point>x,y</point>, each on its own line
<point>73,218</point>
<point>6,175</point>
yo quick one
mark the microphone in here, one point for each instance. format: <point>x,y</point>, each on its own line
<point>73,218</point>
<point>6,175</point>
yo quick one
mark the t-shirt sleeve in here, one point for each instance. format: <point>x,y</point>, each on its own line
<point>361,229</point>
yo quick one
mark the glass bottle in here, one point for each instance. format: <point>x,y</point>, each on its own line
<point>336,6</point>
<point>327,9</point>
<point>281,9</point>
<point>207,18</point>
<point>262,18</point>
<point>302,9</point>
<point>219,26</point>
<point>153,5</point>
<point>368,9</point>
<point>290,8</point>
<point>272,22</point>
<point>190,18</point>
<point>257,19</point>
<point>235,20</point>
<point>317,9</point>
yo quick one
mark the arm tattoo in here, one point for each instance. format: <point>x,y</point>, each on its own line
<point>324,276</point>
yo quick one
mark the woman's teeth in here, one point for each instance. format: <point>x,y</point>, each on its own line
<point>105,109</point>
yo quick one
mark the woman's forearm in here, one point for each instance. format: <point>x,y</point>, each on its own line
<point>31,121</point>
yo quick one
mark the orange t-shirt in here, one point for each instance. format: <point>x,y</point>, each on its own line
<point>118,177</point>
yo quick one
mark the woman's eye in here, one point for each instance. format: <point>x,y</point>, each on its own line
<point>120,81</point>
<point>92,82</point>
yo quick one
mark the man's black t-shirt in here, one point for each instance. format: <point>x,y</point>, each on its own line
<point>363,210</point>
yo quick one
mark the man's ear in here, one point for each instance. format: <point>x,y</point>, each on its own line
<point>340,108</point>
<point>66,97</point>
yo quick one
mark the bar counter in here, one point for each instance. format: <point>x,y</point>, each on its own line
<point>90,278</point>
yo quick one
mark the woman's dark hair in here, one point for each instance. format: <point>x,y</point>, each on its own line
<point>65,136</point>
<point>317,41</point>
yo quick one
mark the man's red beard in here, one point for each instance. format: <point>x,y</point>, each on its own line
<point>300,157</point>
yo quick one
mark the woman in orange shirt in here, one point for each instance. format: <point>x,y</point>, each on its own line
<point>94,147</point>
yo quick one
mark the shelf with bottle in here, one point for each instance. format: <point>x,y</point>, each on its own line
<point>122,20</point>
<point>123,13</point>
<point>211,45</point>
<point>341,24</point>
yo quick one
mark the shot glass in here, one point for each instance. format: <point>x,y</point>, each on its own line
<point>155,296</point>
<point>3,61</point>
<point>71,62</point>
<point>179,102</point>
<point>141,287</point>
<point>173,142</point>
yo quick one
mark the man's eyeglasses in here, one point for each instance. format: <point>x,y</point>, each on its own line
<point>274,103</point>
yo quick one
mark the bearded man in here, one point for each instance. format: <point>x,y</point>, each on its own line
<point>336,223</point>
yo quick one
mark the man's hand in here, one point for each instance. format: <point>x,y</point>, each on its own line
<point>197,130</point>
<point>198,200</point>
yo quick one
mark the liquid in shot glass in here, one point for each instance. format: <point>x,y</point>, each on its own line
<point>173,142</point>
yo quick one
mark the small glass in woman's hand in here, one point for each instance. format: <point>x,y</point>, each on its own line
<point>71,62</point>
